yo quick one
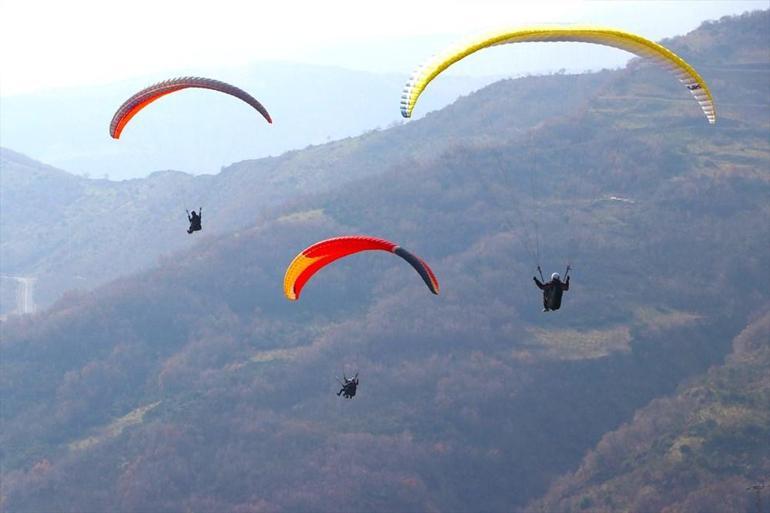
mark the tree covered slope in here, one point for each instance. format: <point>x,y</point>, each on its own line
<point>195,385</point>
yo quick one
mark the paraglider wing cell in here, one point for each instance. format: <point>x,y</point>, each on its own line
<point>596,35</point>
<point>146,96</point>
<point>321,254</point>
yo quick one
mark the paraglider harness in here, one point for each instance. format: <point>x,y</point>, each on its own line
<point>349,386</point>
<point>195,220</point>
<point>552,292</point>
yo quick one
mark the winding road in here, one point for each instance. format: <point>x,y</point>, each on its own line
<point>25,302</point>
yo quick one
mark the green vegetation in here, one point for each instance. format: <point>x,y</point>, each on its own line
<point>571,344</point>
<point>698,450</point>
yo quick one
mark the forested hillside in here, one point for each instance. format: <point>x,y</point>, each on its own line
<point>74,233</point>
<point>698,450</point>
<point>197,386</point>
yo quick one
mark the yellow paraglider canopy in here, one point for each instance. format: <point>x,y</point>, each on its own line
<point>597,35</point>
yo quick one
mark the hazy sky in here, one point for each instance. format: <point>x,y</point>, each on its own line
<point>46,44</point>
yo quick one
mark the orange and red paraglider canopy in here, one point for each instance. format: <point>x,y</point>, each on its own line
<point>146,96</point>
<point>321,254</point>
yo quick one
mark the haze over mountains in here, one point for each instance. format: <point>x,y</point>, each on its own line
<point>195,385</point>
<point>95,230</point>
<point>200,134</point>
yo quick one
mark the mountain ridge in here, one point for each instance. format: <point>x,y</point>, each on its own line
<point>196,385</point>
<point>110,216</point>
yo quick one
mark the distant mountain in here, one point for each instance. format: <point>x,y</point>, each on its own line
<point>196,386</point>
<point>199,131</point>
<point>70,232</point>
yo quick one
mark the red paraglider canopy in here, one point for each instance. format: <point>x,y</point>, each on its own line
<point>321,254</point>
<point>140,100</point>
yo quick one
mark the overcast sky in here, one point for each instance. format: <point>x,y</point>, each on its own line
<point>46,44</point>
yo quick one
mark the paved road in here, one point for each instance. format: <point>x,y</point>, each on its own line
<point>25,299</point>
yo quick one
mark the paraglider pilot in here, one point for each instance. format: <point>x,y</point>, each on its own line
<point>195,220</point>
<point>349,387</point>
<point>552,290</point>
